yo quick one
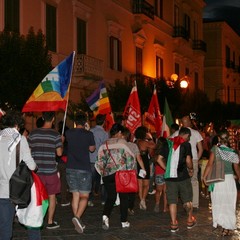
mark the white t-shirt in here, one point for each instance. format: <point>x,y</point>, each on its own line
<point>194,139</point>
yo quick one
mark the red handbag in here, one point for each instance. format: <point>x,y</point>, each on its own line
<point>125,180</point>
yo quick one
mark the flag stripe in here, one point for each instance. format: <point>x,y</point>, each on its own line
<point>54,87</point>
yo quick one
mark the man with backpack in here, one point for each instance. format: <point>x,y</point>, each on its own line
<point>9,139</point>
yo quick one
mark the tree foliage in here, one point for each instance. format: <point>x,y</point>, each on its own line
<point>24,61</point>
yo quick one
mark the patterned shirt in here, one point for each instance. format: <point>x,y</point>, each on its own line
<point>120,152</point>
<point>43,143</point>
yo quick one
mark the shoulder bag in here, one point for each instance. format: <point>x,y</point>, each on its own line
<point>125,180</point>
<point>20,183</point>
<point>217,173</point>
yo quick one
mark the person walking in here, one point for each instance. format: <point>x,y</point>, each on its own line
<point>197,150</point>
<point>45,144</point>
<point>114,155</point>
<point>100,136</point>
<point>146,146</point>
<point>10,137</point>
<point>179,169</point>
<point>78,168</point>
<point>224,194</point>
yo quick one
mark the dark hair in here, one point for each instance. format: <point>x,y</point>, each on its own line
<point>80,118</point>
<point>119,119</point>
<point>100,118</point>
<point>39,122</point>
<point>184,130</point>
<point>116,127</point>
<point>11,119</point>
<point>161,142</point>
<point>175,126</point>
<point>224,137</point>
<point>48,116</point>
<point>141,132</point>
<point>127,134</point>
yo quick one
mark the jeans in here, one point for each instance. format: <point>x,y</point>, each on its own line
<point>110,187</point>
<point>7,211</point>
<point>96,178</point>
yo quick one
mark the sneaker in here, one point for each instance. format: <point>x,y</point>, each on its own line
<point>90,204</point>
<point>78,225</point>
<point>65,204</point>
<point>152,192</point>
<point>142,205</point>
<point>174,227</point>
<point>156,208</point>
<point>192,224</point>
<point>125,224</point>
<point>53,225</point>
<point>105,222</point>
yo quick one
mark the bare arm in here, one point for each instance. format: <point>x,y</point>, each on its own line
<point>160,161</point>
<point>189,165</point>
<point>92,148</point>
<point>200,149</point>
<point>208,167</point>
<point>140,161</point>
<point>237,170</point>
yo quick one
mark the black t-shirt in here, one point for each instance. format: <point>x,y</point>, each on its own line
<point>182,172</point>
<point>79,140</point>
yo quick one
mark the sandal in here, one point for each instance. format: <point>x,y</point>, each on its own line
<point>174,227</point>
<point>192,224</point>
<point>226,232</point>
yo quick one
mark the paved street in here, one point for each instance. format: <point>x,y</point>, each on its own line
<point>144,225</point>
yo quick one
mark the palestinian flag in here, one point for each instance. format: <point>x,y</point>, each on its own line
<point>33,215</point>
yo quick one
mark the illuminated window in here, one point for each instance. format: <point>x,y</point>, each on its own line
<point>159,67</point>
<point>115,54</point>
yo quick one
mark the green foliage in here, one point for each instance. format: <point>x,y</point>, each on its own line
<point>24,61</point>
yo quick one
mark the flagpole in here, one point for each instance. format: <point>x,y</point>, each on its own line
<point>65,113</point>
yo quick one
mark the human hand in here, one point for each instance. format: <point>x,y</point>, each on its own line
<point>142,173</point>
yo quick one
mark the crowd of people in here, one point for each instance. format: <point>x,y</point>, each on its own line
<point>77,164</point>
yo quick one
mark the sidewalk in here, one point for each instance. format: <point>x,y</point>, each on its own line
<point>144,225</point>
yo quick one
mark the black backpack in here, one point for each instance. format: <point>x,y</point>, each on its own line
<point>20,183</point>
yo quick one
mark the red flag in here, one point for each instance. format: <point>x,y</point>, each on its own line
<point>153,116</point>
<point>132,111</point>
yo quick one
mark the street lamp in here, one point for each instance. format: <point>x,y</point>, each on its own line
<point>183,82</point>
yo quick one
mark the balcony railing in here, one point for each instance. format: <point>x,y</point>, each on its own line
<point>199,45</point>
<point>143,7</point>
<point>88,66</point>
<point>179,31</point>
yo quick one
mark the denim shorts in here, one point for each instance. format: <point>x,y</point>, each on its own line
<point>79,180</point>
<point>159,179</point>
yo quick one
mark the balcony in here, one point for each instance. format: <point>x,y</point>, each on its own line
<point>179,31</point>
<point>143,7</point>
<point>88,67</point>
<point>199,45</point>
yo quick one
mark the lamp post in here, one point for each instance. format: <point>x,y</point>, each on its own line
<point>183,82</point>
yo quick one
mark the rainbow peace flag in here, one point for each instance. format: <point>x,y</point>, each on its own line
<point>99,103</point>
<point>52,93</point>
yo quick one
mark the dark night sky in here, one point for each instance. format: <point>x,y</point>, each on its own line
<point>227,10</point>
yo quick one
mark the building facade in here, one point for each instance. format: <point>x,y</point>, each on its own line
<point>116,39</point>
<point>222,62</point>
